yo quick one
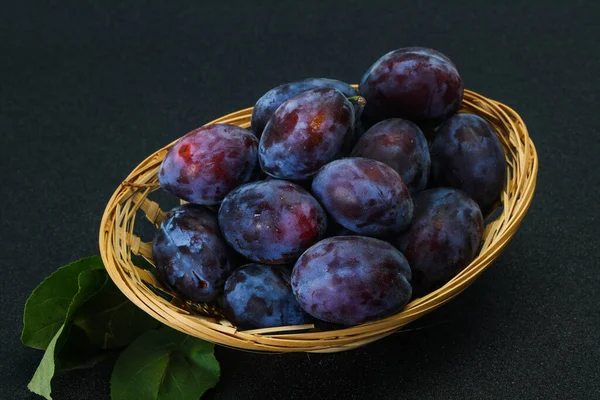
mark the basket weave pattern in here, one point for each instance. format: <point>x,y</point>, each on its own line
<point>118,243</point>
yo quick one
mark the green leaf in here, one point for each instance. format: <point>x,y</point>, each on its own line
<point>40,383</point>
<point>69,349</point>
<point>90,284</point>
<point>48,305</point>
<point>74,350</point>
<point>72,347</point>
<point>165,364</point>
<point>110,319</point>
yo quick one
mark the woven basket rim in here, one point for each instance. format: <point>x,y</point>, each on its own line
<point>118,242</point>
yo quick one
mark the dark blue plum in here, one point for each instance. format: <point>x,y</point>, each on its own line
<point>271,221</point>
<point>207,163</point>
<point>190,254</point>
<point>305,133</point>
<point>467,154</point>
<point>413,83</point>
<point>260,296</point>
<point>270,101</point>
<point>351,279</point>
<point>443,238</point>
<point>401,145</point>
<point>364,195</point>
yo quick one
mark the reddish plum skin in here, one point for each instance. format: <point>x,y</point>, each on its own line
<point>467,154</point>
<point>271,221</point>
<point>209,162</point>
<point>443,238</point>
<point>270,101</point>
<point>413,83</point>
<point>401,145</point>
<point>190,254</point>
<point>305,133</point>
<point>364,195</point>
<point>260,296</point>
<point>351,279</point>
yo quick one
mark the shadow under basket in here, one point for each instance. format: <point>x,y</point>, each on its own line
<point>120,248</point>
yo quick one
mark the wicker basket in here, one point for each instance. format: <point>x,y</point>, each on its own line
<point>118,243</point>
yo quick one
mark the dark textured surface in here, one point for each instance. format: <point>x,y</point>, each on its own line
<point>87,91</point>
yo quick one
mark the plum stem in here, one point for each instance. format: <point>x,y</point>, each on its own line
<point>359,99</point>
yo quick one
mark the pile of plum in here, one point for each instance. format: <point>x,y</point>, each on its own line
<point>334,206</point>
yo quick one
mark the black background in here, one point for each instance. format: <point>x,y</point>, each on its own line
<point>88,90</point>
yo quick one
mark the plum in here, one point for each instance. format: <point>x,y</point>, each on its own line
<point>442,239</point>
<point>414,83</point>
<point>467,154</point>
<point>207,163</point>
<point>305,133</point>
<point>270,101</point>
<point>260,296</point>
<point>271,221</point>
<point>190,254</point>
<point>401,145</point>
<point>351,279</point>
<point>364,195</point>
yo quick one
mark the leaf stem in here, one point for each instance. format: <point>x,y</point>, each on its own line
<point>359,99</point>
